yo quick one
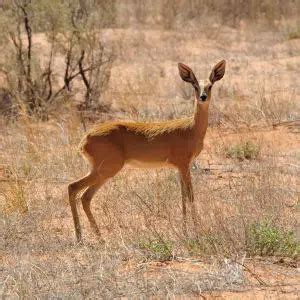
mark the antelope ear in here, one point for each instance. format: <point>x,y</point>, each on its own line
<point>186,73</point>
<point>218,71</point>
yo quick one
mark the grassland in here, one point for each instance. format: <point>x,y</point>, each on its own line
<point>246,180</point>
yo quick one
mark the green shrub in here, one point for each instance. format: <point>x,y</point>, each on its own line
<point>294,34</point>
<point>206,244</point>
<point>247,150</point>
<point>157,249</point>
<point>265,239</point>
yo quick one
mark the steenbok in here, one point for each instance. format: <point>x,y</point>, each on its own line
<point>175,143</point>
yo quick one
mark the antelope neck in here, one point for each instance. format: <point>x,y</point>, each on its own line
<point>201,117</point>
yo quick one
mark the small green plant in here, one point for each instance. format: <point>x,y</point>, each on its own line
<point>294,34</point>
<point>265,239</point>
<point>247,150</point>
<point>207,244</point>
<point>157,249</point>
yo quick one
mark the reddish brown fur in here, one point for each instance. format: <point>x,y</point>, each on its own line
<point>109,146</point>
<point>150,130</point>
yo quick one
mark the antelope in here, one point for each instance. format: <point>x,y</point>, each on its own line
<point>174,143</point>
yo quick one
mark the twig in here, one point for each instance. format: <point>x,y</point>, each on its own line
<point>29,38</point>
<point>84,78</point>
<point>70,78</point>
<point>252,273</point>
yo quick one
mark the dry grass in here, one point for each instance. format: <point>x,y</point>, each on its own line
<point>139,211</point>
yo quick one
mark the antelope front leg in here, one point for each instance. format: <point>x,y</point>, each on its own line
<point>192,203</point>
<point>183,198</point>
<point>187,190</point>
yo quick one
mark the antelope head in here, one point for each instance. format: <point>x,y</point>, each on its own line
<point>202,90</point>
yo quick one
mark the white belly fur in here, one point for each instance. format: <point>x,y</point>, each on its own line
<point>148,164</point>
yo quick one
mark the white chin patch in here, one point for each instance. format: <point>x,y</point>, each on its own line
<point>201,83</point>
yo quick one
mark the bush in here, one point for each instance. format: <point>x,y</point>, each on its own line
<point>205,245</point>
<point>294,34</point>
<point>247,150</point>
<point>157,249</point>
<point>70,31</point>
<point>265,239</point>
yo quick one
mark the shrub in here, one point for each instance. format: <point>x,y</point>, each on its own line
<point>206,244</point>
<point>294,34</point>
<point>247,150</point>
<point>70,29</point>
<point>157,249</point>
<point>265,239</point>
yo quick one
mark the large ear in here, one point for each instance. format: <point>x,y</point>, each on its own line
<point>218,71</point>
<point>188,75</point>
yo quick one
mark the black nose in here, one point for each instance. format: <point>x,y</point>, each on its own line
<point>203,97</point>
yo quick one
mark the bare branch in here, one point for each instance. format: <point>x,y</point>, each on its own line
<point>84,78</point>
<point>70,78</point>
<point>68,64</point>
<point>29,39</point>
<point>48,74</point>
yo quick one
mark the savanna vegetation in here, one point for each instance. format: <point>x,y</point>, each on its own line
<point>65,65</point>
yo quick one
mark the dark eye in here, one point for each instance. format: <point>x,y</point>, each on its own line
<point>209,88</point>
